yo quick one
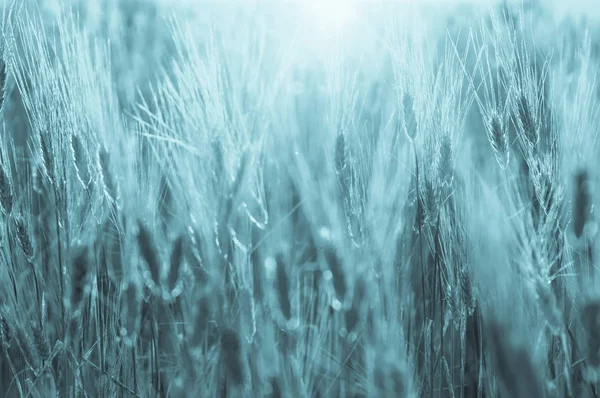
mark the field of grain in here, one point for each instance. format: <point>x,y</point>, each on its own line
<point>298,199</point>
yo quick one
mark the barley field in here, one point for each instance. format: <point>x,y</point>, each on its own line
<point>299,199</point>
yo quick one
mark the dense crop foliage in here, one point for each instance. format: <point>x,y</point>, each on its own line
<point>202,200</point>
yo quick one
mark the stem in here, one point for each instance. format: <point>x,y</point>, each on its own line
<point>420,227</point>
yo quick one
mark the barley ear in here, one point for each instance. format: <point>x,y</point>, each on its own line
<point>6,193</point>
<point>24,238</point>
<point>582,204</point>
<point>3,76</point>
<point>175,264</point>
<point>336,267</point>
<point>445,165</point>
<point>149,253</point>
<point>409,117</point>
<point>131,310</point>
<point>79,278</point>
<point>110,186</point>
<point>283,287</point>
<point>498,138</point>
<point>527,121</point>
<point>232,355</point>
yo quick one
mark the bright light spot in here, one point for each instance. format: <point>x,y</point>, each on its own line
<point>325,233</point>
<point>331,17</point>
<point>270,267</point>
<point>293,323</point>
<point>326,24</point>
<point>336,304</point>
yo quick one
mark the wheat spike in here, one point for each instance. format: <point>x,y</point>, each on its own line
<point>283,287</point>
<point>409,119</point>
<point>231,351</point>
<point>3,75</point>
<point>175,263</point>
<point>149,253</point>
<point>79,277</point>
<point>24,238</point>
<point>499,139</point>
<point>6,192</point>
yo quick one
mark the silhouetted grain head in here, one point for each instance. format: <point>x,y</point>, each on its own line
<point>6,192</point>
<point>197,330</point>
<point>5,331</point>
<point>175,263</point>
<point>258,270</point>
<point>513,364</point>
<point>390,379</point>
<point>149,252</point>
<point>275,387</point>
<point>232,356</point>
<point>498,138</point>
<point>582,203</point>
<point>336,267</point>
<point>80,267</point>
<point>282,286</point>
<point>359,303</point>
<point>591,320</point>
